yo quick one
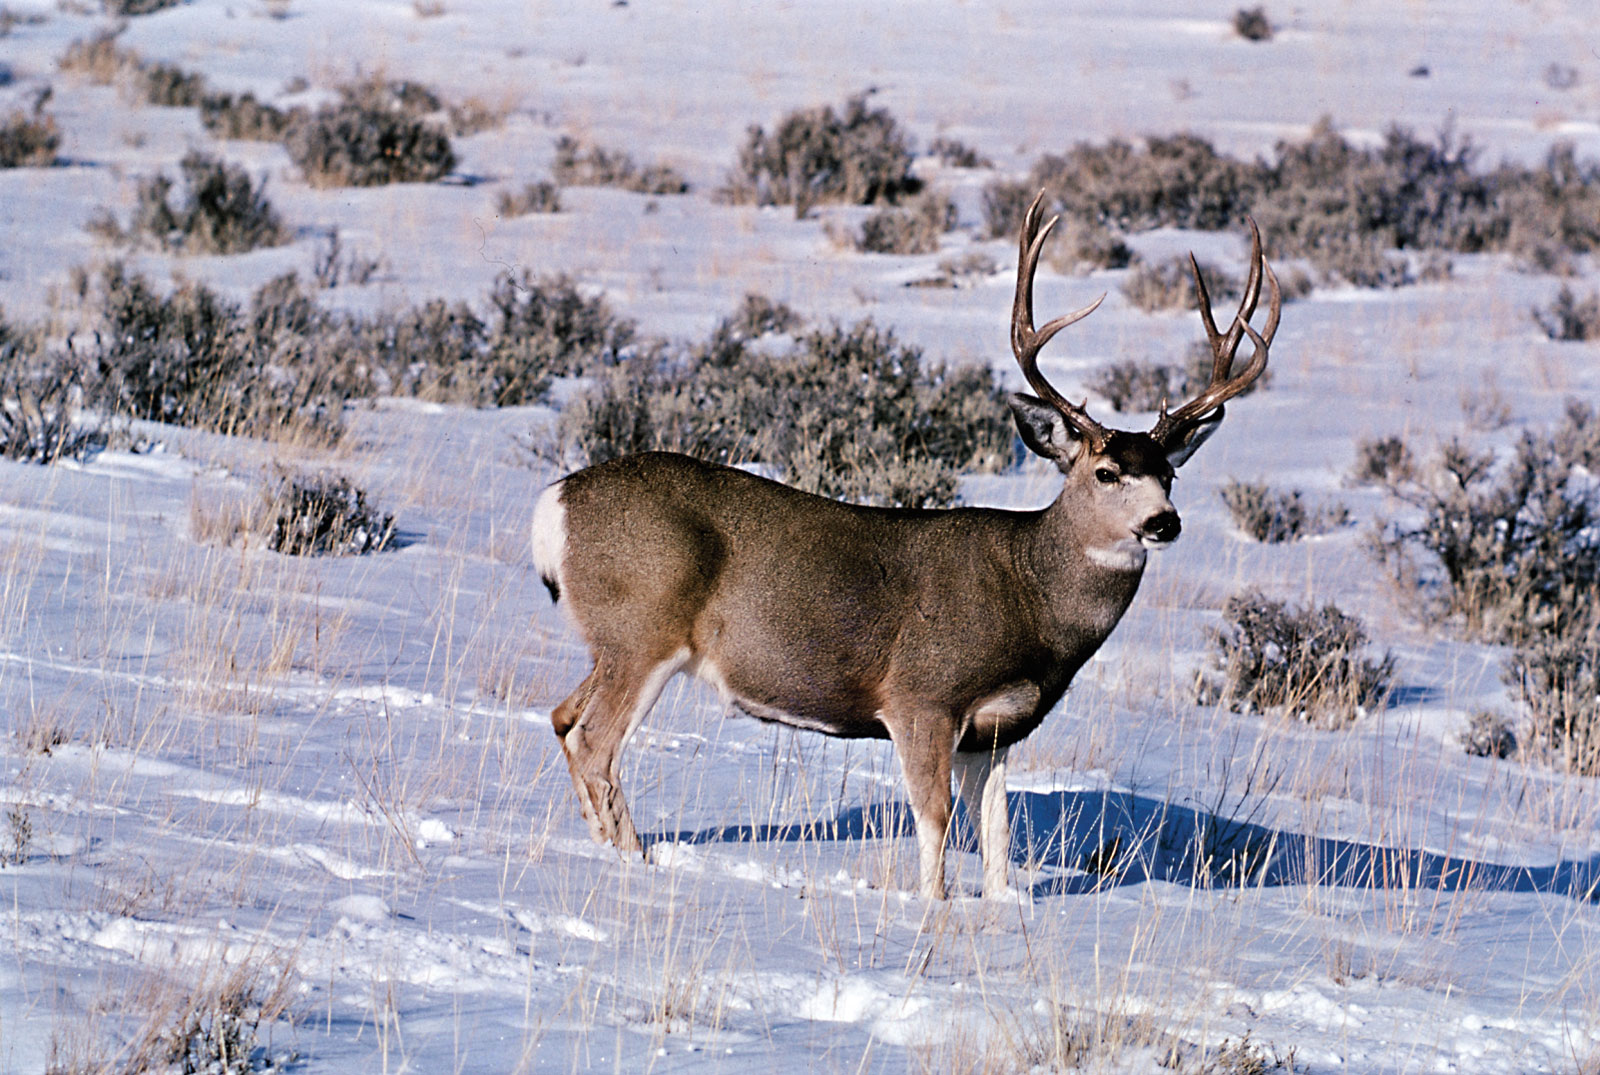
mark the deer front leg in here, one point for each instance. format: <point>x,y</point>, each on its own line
<point>924,738</point>
<point>981,780</point>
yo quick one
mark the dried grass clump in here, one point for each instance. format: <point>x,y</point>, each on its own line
<point>222,211</point>
<point>858,155</point>
<point>1570,318</point>
<point>103,62</point>
<point>578,165</point>
<point>845,412</point>
<point>911,229</point>
<point>98,59</point>
<point>378,133</point>
<point>28,140</point>
<point>1306,662</point>
<point>324,515</point>
<point>1274,518</point>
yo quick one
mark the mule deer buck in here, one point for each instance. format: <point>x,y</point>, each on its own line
<point>951,633</point>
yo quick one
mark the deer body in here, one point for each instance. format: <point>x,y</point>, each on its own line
<point>951,633</point>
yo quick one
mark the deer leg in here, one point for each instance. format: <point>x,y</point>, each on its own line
<point>925,739</point>
<point>595,723</point>
<point>981,780</point>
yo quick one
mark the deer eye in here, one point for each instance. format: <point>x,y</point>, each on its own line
<point>1106,476</point>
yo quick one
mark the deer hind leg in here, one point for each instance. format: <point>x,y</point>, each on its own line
<point>925,739</point>
<point>981,780</point>
<point>594,724</point>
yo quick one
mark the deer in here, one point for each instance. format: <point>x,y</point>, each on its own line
<point>949,632</point>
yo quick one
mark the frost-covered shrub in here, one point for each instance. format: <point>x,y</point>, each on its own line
<point>914,228</point>
<point>544,327</point>
<point>325,515</point>
<point>376,134</point>
<point>1570,318</point>
<point>1306,662</point>
<point>846,412</point>
<point>1169,285</point>
<point>222,211</point>
<point>578,165</point>
<point>858,155</point>
<point>541,197</point>
<point>243,118</point>
<point>28,140</point>
<point>1273,517</point>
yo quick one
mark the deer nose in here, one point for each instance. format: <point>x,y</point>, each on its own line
<point>1161,528</point>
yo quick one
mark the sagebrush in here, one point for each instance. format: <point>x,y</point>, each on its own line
<point>858,155</point>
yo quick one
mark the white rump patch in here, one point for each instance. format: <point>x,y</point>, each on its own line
<point>550,535</point>
<point>1125,555</point>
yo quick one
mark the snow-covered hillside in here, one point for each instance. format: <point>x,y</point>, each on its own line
<point>332,781</point>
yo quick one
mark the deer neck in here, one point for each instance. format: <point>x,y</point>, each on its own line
<point>1087,579</point>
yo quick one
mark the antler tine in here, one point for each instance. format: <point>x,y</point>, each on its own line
<point>1027,341</point>
<point>1224,384</point>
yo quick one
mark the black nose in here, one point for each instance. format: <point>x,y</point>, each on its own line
<point>1163,528</point>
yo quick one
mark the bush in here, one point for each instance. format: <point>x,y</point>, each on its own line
<point>36,403</point>
<point>1384,461</point>
<point>1489,735</point>
<point>1252,24</point>
<point>954,153</point>
<point>1082,246</point>
<point>914,229</point>
<point>541,197</point>
<point>168,86</point>
<point>1274,518</point>
<point>1005,203</point>
<point>223,211</point>
<point>98,59</point>
<point>243,118</point>
<point>334,266</point>
<point>1169,285</point>
<point>1569,317</point>
<point>1304,661</point>
<point>858,156</point>
<point>1557,676</point>
<point>595,166</point>
<point>127,8</point>
<point>845,412</point>
<point>1178,181</point>
<point>324,515</point>
<point>28,141</point>
<point>1141,387</point>
<point>375,135</point>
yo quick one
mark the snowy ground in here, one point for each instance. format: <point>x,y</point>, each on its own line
<point>337,774</point>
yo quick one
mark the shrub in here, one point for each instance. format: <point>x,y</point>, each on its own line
<point>542,328</point>
<point>963,271</point>
<point>1274,518</point>
<point>223,211</point>
<point>1252,24</point>
<point>192,358</point>
<point>1306,662</point>
<point>375,135</point>
<point>1178,181</point>
<point>36,398</point>
<point>1384,461</point>
<point>98,59</point>
<point>128,8</point>
<point>243,118</point>
<point>1082,246</point>
<point>578,165</point>
<point>334,266</point>
<point>540,197</point>
<point>1169,285</point>
<point>858,156</point>
<point>168,86</point>
<point>28,141</point>
<point>1005,202</point>
<point>1557,676</point>
<point>1138,386</point>
<point>914,229</point>
<point>845,412</point>
<point>1488,735</point>
<point>954,153</point>
<point>1569,317</point>
<point>324,515</point>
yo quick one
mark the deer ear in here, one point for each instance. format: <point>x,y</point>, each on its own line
<point>1180,448</point>
<point>1044,430</point>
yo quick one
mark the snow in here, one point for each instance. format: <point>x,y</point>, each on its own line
<point>313,769</point>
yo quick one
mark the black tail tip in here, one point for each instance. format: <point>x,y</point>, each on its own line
<point>553,586</point>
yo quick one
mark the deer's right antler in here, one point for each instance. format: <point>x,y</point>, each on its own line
<point>1026,341</point>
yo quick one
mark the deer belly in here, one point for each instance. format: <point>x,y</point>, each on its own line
<point>821,708</point>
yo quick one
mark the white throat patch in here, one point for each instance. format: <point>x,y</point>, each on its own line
<point>1125,555</point>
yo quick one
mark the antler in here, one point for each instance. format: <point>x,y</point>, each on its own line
<point>1026,341</point>
<point>1173,427</point>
